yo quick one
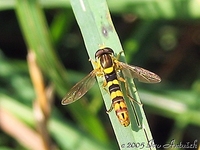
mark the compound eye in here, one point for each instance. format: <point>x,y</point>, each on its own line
<point>103,51</point>
<point>108,50</point>
<point>98,53</point>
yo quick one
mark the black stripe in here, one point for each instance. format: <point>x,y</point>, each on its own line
<point>114,87</point>
<point>111,76</point>
<point>117,99</point>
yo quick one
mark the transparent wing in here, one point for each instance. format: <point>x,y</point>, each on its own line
<point>78,90</point>
<point>141,74</point>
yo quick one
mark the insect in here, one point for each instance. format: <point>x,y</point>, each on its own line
<point>108,66</point>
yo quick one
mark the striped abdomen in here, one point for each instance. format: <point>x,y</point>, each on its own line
<point>118,102</point>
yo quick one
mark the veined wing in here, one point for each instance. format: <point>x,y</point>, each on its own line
<point>141,74</point>
<point>79,89</point>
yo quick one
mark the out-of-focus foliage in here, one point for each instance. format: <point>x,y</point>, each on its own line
<point>161,36</point>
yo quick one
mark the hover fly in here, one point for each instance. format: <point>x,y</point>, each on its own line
<point>108,66</point>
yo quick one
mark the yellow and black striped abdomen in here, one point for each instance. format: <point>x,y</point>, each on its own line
<point>118,102</point>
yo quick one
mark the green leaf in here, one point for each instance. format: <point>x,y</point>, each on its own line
<point>98,30</point>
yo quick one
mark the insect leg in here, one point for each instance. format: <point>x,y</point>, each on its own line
<point>110,109</point>
<point>127,91</point>
<point>118,55</point>
<point>95,63</point>
<point>104,86</point>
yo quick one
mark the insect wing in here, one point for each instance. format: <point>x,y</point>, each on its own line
<point>141,74</point>
<point>78,90</point>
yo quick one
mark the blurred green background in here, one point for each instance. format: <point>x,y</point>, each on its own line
<point>161,36</point>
